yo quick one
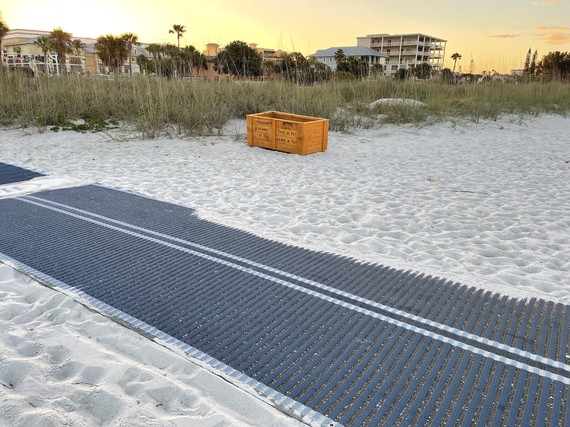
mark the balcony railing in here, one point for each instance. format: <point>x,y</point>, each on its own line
<point>416,52</point>
<point>404,63</point>
<point>391,43</point>
<point>395,44</point>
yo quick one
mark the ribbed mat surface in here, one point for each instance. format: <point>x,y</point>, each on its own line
<point>10,174</point>
<point>325,336</point>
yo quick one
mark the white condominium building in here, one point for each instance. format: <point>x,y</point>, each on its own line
<point>406,50</point>
<point>370,56</point>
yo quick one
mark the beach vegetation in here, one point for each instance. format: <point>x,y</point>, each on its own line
<point>530,70</point>
<point>22,71</point>
<point>423,71</point>
<point>78,46</point>
<point>131,40</point>
<point>377,70</point>
<point>555,66</point>
<point>43,43</point>
<point>170,61</point>
<point>143,62</point>
<point>179,30</point>
<point>296,68</point>
<point>192,59</point>
<point>3,31</point>
<point>239,60</point>
<point>61,42</point>
<point>447,75</point>
<point>403,73</point>
<point>113,51</point>
<point>351,65</point>
<point>456,56</point>
<point>343,76</point>
<point>150,104</point>
<point>89,125</point>
<point>154,65</point>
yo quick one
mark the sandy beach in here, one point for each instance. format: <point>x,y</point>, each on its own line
<point>484,204</point>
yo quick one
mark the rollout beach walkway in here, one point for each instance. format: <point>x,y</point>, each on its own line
<point>327,339</point>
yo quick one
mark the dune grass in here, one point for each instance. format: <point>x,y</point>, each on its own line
<point>155,105</point>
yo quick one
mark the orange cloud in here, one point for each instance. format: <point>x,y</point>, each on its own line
<point>504,36</point>
<point>553,28</point>
<point>554,38</point>
<point>546,3</point>
<point>554,35</point>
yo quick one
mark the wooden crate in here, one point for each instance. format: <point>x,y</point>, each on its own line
<point>291,133</point>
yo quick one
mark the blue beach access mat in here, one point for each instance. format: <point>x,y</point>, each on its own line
<point>10,174</point>
<point>328,339</point>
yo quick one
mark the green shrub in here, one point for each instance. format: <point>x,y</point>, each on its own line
<point>153,104</point>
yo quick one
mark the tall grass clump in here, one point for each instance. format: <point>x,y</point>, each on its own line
<point>155,106</point>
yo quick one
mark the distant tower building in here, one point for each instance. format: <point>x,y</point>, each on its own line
<point>406,50</point>
<point>212,49</point>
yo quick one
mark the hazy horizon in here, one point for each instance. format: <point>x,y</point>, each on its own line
<point>488,36</point>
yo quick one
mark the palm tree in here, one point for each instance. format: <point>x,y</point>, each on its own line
<point>191,59</point>
<point>131,39</point>
<point>174,55</point>
<point>61,42</point>
<point>178,30</point>
<point>78,46</point>
<point>143,62</point>
<point>156,51</point>
<point>44,44</point>
<point>340,59</point>
<point>112,51</point>
<point>3,31</point>
<point>455,57</point>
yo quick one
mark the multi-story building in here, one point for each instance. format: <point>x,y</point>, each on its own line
<point>370,56</point>
<point>265,53</point>
<point>212,50</point>
<point>20,50</point>
<point>406,50</point>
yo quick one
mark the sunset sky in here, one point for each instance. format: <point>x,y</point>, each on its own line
<point>493,34</point>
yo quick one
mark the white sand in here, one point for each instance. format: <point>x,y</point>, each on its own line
<point>484,204</point>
